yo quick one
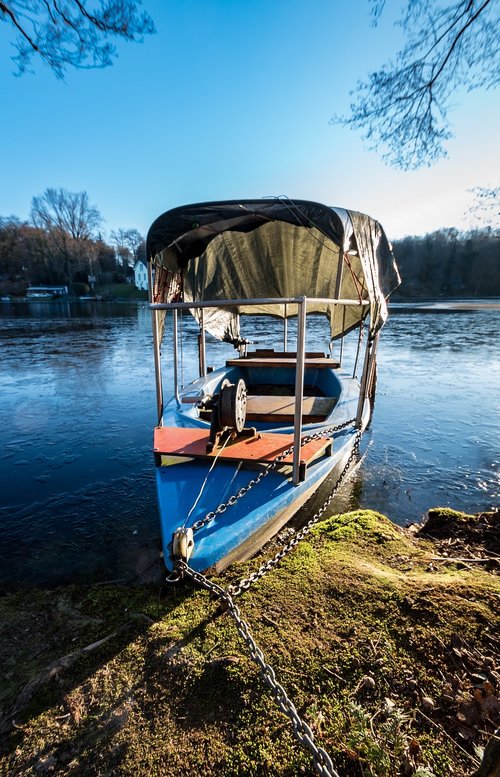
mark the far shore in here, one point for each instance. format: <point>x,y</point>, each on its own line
<point>447,303</point>
<point>401,303</point>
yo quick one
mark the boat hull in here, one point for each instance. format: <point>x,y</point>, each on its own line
<point>189,489</point>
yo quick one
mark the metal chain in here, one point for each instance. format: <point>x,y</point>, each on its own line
<point>303,733</point>
<point>269,468</point>
<point>266,566</point>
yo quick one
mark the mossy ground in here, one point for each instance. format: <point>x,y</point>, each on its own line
<point>386,654</point>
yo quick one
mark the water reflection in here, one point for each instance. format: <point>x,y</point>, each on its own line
<point>77,404</point>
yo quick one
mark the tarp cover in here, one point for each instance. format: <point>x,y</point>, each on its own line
<point>253,249</point>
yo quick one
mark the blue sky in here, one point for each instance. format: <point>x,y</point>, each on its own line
<point>231,98</point>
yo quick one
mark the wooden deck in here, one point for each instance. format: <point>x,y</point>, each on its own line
<point>192,443</point>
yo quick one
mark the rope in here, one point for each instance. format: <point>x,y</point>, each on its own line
<point>206,480</point>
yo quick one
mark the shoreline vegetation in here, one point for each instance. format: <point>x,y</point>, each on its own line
<point>111,292</point>
<point>385,639</point>
<point>126,292</point>
<point>446,263</point>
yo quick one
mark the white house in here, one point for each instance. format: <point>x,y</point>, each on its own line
<point>140,275</point>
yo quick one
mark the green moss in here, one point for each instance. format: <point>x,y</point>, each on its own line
<point>174,690</point>
<point>359,525</point>
<point>449,514</point>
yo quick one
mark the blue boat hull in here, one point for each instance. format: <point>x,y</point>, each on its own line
<point>188,489</point>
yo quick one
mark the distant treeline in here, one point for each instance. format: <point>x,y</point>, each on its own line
<point>449,263</point>
<point>62,244</point>
<point>446,263</point>
<point>33,256</point>
<point>29,256</point>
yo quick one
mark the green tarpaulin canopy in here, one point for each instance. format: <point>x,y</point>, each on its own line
<point>276,248</point>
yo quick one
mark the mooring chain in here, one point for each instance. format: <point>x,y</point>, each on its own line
<point>302,731</point>
<point>266,566</point>
<point>269,468</point>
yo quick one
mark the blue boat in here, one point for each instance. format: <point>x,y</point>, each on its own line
<point>241,448</point>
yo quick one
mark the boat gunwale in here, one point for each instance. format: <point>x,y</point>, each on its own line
<point>219,303</point>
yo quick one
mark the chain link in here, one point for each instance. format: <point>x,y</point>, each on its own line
<point>269,468</point>
<point>303,733</point>
<point>266,566</point>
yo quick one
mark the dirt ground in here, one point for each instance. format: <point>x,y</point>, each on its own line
<point>385,640</point>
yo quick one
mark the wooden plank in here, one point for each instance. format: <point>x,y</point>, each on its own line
<point>318,363</point>
<point>276,408</point>
<point>176,441</point>
<point>269,353</point>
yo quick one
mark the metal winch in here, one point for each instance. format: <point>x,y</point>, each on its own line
<point>228,408</point>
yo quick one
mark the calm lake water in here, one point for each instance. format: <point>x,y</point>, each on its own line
<point>77,409</point>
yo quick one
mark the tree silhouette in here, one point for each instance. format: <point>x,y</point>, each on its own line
<point>58,210</point>
<point>72,33</point>
<point>402,109</point>
<point>70,222</point>
<point>127,243</point>
<point>485,210</point>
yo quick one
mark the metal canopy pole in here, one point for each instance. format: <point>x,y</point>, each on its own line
<point>338,279</point>
<point>342,338</point>
<point>176,366</point>
<point>202,350</point>
<point>299,389</point>
<point>366,378</point>
<point>285,329</point>
<point>360,337</point>
<point>156,348</point>
<point>362,388</point>
<point>338,285</point>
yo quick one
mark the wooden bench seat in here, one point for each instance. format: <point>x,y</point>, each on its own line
<point>270,353</point>
<point>321,362</point>
<point>282,409</point>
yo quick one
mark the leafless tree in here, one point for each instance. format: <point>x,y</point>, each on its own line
<point>69,212</point>
<point>402,109</point>
<point>485,210</point>
<point>70,221</point>
<point>72,33</point>
<point>10,237</point>
<point>133,240</point>
<point>127,243</point>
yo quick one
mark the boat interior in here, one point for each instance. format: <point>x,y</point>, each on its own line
<point>269,378</point>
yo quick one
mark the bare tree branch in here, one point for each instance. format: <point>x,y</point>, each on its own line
<point>402,109</point>
<point>484,213</point>
<point>70,222</point>
<point>128,243</point>
<point>459,34</point>
<point>65,33</point>
<point>6,11</point>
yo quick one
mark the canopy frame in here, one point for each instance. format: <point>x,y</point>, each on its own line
<point>198,255</point>
<point>302,303</point>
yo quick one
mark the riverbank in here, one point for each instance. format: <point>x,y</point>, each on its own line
<point>109,292</point>
<point>444,304</point>
<point>384,638</point>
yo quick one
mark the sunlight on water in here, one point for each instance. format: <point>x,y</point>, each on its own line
<point>78,407</point>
